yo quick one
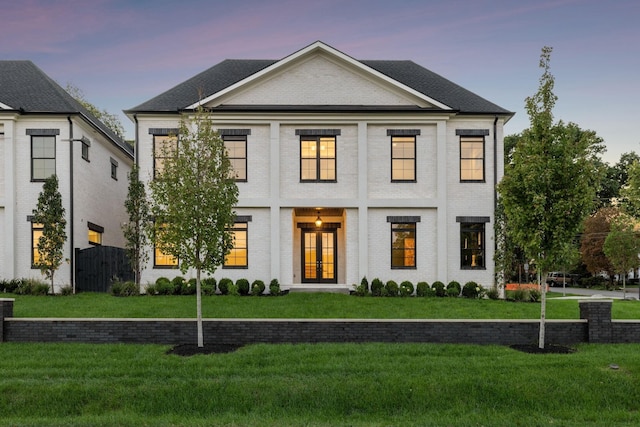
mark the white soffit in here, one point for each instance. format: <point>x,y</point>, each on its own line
<point>318,46</point>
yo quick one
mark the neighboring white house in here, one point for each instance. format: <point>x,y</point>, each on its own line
<point>44,131</point>
<point>397,163</point>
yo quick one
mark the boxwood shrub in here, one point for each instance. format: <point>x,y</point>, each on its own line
<point>257,287</point>
<point>454,289</point>
<point>243,286</point>
<point>274,287</point>
<point>422,289</point>
<point>376,287</point>
<point>208,286</point>
<point>472,290</point>
<point>391,289</point>
<point>439,288</point>
<point>224,284</point>
<point>406,288</point>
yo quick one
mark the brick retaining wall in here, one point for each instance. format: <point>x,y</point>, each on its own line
<point>593,327</point>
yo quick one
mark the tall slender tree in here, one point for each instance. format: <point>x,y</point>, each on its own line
<point>137,207</point>
<point>544,202</point>
<point>193,200</point>
<point>622,247</point>
<point>51,215</point>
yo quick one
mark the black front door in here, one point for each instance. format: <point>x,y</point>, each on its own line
<point>319,256</point>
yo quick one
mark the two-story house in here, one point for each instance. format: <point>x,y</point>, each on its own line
<point>44,131</point>
<point>346,168</point>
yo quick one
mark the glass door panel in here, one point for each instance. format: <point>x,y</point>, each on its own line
<point>319,256</point>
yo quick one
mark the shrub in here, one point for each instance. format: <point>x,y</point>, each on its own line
<point>208,285</point>
<point>376,287</point>
<point>243,286</point>
<point>453,286</point>
<point>493,294</point>
<point>150,289</point>
<point>257,287</point>
<point>472,290</point>
<point>362,289</point>
<point>223,285</point>
<point>124,289</point>
<point>177,283</point>
<point>189,287</point>
<point>232,289</point>
<point>423,289</point>
<point>12,285</point>
<point>439,289</point>
<point>39,289</point>
<point>392,289</point>
<point>163,286</point>
<point>406,288</point>
<point>274,287</point>
<point>521,295</point>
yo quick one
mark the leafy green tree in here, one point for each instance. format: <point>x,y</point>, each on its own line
<point>622,247</point>
<point>193,200</point>
<point>631,192</point>
<point>137,207</point>
<point>110,120</point>
<point>51,215</point>
<point>595,231</point>
<point>544,201</point>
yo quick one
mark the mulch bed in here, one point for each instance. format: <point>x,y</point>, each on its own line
<point>193,349</point>
<point>548,349</point>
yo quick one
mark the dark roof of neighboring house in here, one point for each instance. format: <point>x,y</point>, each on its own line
<point>231,71</point>
<point>27,89</point>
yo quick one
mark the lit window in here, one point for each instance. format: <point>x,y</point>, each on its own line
<point>162,259</point>
<point>403,158</point>
<point>403,245</point>
<point>43,157</point>
<point>238,257</point>
<point>318,158</point>
<point>95,233</point>
<point>36,232</point>
<point>472,158</point>
<point>164,147</point>
<point>472,245</point>
<point>236,147</point>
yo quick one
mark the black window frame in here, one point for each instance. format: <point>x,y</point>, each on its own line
<point>98,229</point>
<point>155,255</point>
<point>401,227</point>
<point>157,158</point>
<point>239,226</point>
<point>34,245</point>
<point>114,169</point>
<point>414,179</point>
<point>473,139</point>
<point>33,158</point>
<point>318,158</point>
<point>466,252</point>
<point>237,138</point>
<point>85,150</point>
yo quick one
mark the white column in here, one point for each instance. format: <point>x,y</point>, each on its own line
<point>442,228</point>
<point>363,198</point>
<point>9,268</point>
<point>274,196</point>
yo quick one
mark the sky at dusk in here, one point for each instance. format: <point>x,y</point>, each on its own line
<point>121,53</point>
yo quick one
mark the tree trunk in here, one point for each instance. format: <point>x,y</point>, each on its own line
<point>543,308</point>
<point>199,309</point>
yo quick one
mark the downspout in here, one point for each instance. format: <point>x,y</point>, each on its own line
<point>71,226</point>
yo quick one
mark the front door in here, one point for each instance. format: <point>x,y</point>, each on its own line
<point>319,256</point>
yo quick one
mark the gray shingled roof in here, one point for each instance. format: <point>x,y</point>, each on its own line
<point>231,71</point>
<point>26,88</point>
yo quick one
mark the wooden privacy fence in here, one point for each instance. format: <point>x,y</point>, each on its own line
<point>98,267</point>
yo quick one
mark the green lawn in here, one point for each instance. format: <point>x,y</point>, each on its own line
<point>300,305</point>
<point>318,385</point>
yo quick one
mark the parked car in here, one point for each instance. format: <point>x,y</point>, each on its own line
<point>557,278</point>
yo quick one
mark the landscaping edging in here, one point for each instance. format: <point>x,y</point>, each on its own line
<point>594,326</point>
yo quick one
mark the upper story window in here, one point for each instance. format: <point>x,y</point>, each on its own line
<point>43,157</point>
<point>403,158</point>
<point>236,147</point>
<point>164,147</point>
<point>472,155</point>
<point>114,169</point>
<point>85,149</point>
<point>318,158</point>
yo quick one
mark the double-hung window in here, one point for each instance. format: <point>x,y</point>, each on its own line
<point>403,242</point>
<point>236,147</point>
<point>472,158</point>
<point>318,158</point>
<point>238,257</point>
<point>403,158</point>
<point>165,147</point>
<point>43,157</point>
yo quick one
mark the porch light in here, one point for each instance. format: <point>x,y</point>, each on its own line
<point>318,220</point>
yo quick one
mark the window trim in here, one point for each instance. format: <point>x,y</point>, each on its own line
<point>85,144</point>
<point>317,138</point>
<point>114,169</point>
<point>469,224</point>
<point>394,228</point>
<point>405,158</point>
<point>99,230</point>
<point>54,158</point>
<point>239,226</point>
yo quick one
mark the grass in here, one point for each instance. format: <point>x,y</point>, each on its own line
<point>300,305</point>
<point>318,385</point>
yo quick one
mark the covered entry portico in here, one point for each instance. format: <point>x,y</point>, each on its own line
<point>319,246</point>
